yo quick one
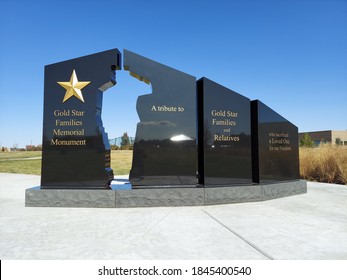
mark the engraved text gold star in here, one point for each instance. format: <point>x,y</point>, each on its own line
<point>73,88</point>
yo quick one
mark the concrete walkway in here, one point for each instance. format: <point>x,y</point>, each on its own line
<point>308,226</point>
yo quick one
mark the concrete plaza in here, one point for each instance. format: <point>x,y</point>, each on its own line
<point>308,226</point>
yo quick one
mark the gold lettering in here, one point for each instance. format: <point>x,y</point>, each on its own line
<point>59,113</point>
<point>280,140</point>
<point>223,122</point>
<point>232,114</point>
<point>71,122</point>
<point>165,108</point>
<point>223,113</point>
<point>226,138</point>
<point>77,132</point>
<point>219,113</point>
<point>57,142</point>
<point>77,113</point>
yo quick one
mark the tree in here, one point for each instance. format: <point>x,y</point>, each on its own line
<point>338,141</point>
<point>306,141</point>
<point>125,140</point>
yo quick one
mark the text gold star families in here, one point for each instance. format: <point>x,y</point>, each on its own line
<point>73,87</point>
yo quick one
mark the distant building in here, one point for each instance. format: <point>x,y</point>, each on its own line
<point>327,136</point>
<point>33,148</point>
<point>117,141</point>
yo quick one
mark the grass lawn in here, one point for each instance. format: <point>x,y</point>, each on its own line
<point>18,155</point>
<point>30,162</point>
<point>32,166</point>
<point>121,162</point>
<point>21,162</point>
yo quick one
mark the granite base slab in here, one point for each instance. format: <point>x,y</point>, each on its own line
<point>161,197</point>
<point>37,197</point>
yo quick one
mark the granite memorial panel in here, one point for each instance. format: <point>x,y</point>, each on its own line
<point>76,152</point>
<point>275,146</point>
<point>224,136</point>
<point>165,143</point>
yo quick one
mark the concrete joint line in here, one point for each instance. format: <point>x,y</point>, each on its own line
<point>240,236</point>
<point>148,230</point>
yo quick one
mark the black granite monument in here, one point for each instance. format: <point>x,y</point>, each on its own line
<point>165,143</point>
<point>76,152</point>
<point>191,133</point>
<point>224,137</point>
<point>275,146</point>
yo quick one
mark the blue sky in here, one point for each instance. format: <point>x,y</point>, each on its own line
<point>290,54</point>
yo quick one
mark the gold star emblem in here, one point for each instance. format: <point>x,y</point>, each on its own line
<point>73,88</point>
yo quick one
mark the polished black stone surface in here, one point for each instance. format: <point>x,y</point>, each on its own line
<point>165,143</point>
<point>224,135</point>
<point>76,152</point>
<point>275,146</point>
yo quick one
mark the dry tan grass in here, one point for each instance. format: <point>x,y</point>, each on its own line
<point>326,163</point>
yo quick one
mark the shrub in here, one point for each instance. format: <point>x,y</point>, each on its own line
<point>306,141</point>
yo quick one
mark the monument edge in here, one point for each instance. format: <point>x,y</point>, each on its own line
<point>162,197</point>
